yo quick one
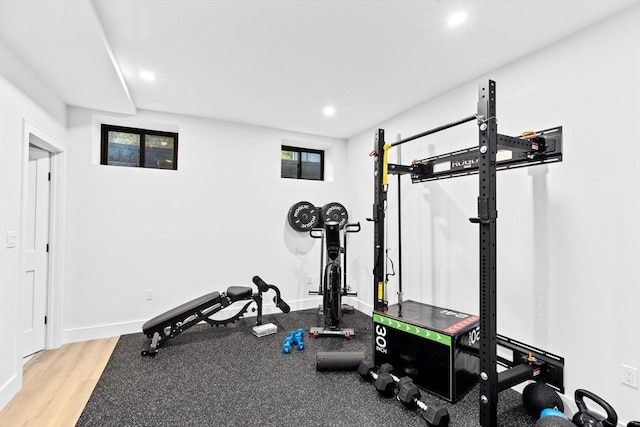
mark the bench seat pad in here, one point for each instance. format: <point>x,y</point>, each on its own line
<point>179,313</point>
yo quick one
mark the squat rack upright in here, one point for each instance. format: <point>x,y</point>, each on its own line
<point>532,148</point>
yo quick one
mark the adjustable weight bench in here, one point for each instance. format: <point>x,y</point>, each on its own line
<point>168,325</point>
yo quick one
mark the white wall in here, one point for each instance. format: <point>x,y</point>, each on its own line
<point>568,233</point>
<point>217,221</point>
<point>15,108</point>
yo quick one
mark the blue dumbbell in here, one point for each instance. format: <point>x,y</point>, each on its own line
<point>288,343</point>
<point>298,339</point>
<point>286,347</point>
<point>293,338</point>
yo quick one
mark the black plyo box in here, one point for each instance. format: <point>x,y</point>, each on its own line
<point>437,347</point>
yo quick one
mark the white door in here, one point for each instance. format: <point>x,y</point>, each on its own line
<point>35,280</point>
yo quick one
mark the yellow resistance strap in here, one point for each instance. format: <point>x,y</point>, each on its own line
<point>385,164</point>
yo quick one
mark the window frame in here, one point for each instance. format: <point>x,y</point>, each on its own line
<point>104,143</point>
<point>300,151</point>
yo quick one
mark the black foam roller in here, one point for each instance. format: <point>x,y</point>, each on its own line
<point>339,361</point>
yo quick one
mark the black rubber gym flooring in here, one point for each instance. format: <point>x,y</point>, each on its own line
<point>228,377</point>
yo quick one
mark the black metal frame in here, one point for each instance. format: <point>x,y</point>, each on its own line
<point>172,323</point>
<point>527,363</point>
<point>379,208</point>
<point>333,277</point>
<point>301,150</point>
<point>535,148</point>
<point>104,143</point>
<point>186,320</point>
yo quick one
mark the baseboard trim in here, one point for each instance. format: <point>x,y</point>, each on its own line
<point>10,388</point>
<point>101,331</point>
<point>362,307</point>
<point>132,327</point>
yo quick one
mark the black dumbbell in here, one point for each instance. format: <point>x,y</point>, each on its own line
<point>387,383</point>
<point>434,415</point>
<point>384,381</point>
<point>366,369</point>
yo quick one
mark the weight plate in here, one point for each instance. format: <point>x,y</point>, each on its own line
<point>334,211</point>
<point>303,216</point>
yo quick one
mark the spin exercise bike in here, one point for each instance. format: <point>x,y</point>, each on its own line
<point>168,325</point>
<point>333,278</point>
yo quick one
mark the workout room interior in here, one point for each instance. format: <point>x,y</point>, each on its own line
<point>155,154</point>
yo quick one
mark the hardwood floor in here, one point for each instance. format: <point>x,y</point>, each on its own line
<point>57,384</point>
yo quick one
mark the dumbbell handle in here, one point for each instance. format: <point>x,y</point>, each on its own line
<point>374,375</point>
<point>423,407</point>
<point>420,404</point>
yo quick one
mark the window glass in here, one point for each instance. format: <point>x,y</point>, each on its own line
<point>289,165</point>
<point>311,167</point>
<point>124,149</point>
<point>158,152</point>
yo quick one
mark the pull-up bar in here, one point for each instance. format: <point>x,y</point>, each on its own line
<point>385,154</point>
<point>434,130</point>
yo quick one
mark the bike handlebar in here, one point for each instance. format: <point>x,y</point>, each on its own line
<point>317,230</point>
<point>349,227</point>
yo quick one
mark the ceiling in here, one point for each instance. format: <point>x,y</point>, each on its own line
<point>279,63</point>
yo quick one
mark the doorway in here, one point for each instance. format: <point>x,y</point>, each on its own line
<point>36,251</point>
<point>42,232</point>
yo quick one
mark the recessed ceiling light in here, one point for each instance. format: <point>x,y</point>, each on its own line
<point>147,75</point>
<point>457,18</point>
<point>329,111</point>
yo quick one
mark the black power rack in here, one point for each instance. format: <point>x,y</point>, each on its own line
<point>494,152</point>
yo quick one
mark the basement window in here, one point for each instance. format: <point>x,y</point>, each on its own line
<point>302,163</point>
<point>138,148</point>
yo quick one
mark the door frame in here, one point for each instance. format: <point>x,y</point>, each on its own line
<point>31,134</point>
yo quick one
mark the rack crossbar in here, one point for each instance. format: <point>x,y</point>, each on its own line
<point>513,152</point>
<point>434,130</point>
<point>549,367</point>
